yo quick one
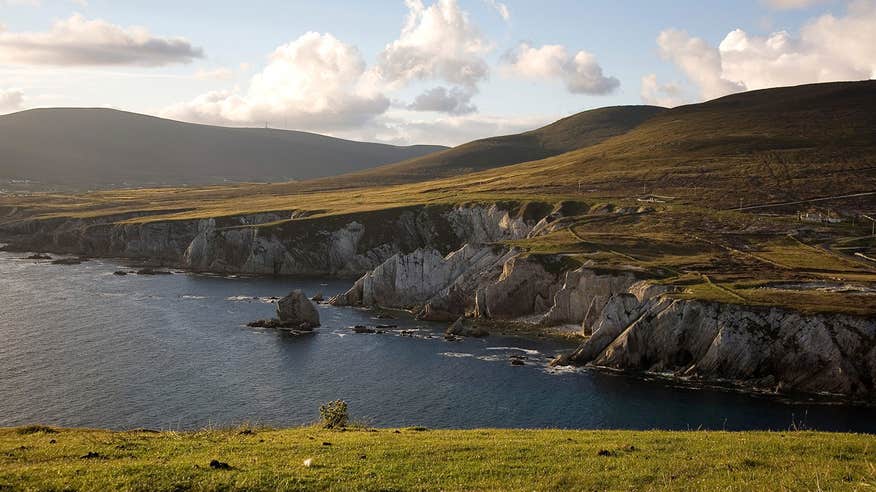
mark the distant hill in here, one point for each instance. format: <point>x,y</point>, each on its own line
<point>105,148</point>
<point>571,133</point>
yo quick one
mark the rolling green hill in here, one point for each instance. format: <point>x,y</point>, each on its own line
<point>570,133</point>
<point>82,148</point>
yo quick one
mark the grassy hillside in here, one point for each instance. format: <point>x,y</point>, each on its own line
<point>416,459</point>
<point>574,132</point>
<point>101,147</point>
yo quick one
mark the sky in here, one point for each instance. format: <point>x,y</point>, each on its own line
<point>417,71</point>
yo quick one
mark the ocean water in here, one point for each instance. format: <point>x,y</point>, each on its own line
<point>80,346</point>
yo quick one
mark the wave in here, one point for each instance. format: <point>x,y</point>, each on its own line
<point>526,351</point>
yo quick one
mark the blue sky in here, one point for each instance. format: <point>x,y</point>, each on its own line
<point>461,70</point>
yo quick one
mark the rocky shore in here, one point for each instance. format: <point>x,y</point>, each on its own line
<point>449,262</point>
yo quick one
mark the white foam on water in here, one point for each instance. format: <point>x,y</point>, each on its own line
<point>459,355</point>
<point>526,351</point>
<point>492,358</point>
<point>239,298</point>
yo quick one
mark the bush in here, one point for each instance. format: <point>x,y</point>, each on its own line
<point>334,414</point>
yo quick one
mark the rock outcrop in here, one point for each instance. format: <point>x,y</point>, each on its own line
<point>270,243</point>
<point>437,286</point>
<point>462,329</point>
<point>768,348</point>
<point>297,310</point>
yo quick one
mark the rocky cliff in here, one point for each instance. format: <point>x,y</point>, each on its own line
<point>271,243</point>
<point>632,324</point>
<point>767,348</point>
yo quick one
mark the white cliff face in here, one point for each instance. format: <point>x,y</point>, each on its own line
<point>424,278</point>
<point>584,295</point>
<point>483,225</point>
<point>344,250</point>
<point>762,347</point>
<point>524,288</point>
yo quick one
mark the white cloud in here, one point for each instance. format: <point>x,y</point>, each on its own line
<point>315,82</point>
<point>827,49</point>
<point>79,41</point>
<point>700,62</point>
<point>500,8</point>
<point>666,95</point>
<point>581,73</point>
<point>437,42</point>
<point>320,83</point>
<point>456,100</point>
<point>10,100</point>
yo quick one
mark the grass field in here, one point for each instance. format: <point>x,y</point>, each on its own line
<point>37,458</point>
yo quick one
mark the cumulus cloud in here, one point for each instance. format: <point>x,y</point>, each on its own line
<point>700,62</point>
<point>315,82</point>
<point>456,100</point>
<point>320,83</point>
<point>581,73</point>
<point>436,42</point>
<point>79,41</point>
<point>500,8</point>
<point>10,100</point>
<point>827,49</point>
<point>667,95</point>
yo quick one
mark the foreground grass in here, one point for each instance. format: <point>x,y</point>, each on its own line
<point>417,459</point>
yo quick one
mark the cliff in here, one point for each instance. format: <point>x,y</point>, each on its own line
<point>632,324</point>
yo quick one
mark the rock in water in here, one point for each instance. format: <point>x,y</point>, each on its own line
<point>297,310</point>
<point>459,328</point>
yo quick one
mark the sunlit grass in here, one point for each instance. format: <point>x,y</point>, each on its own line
<point>416,459</point>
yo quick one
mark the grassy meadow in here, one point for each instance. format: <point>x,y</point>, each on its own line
<point>40,458</point>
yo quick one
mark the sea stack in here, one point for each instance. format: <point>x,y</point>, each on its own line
<point>296,310</point>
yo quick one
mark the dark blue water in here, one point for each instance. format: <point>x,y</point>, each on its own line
<point>82,347</point>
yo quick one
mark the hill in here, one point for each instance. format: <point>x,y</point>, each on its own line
<point>81,148</point>
<point>570,133</point>
<point>780,144</point>
<point>42,458</point>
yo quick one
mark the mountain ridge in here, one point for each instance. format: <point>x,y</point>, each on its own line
<point>83,147</point>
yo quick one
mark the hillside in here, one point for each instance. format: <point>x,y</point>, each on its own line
<point>570,133</point>
<point>81,148</point>
<point>754,148</point>
<point>41,458</point>
<point>757,147</point>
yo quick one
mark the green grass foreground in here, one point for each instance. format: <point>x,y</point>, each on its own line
<point>37,458</point>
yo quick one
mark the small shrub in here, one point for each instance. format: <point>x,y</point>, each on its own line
<point>34,429</point>
<point>334,414</point>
